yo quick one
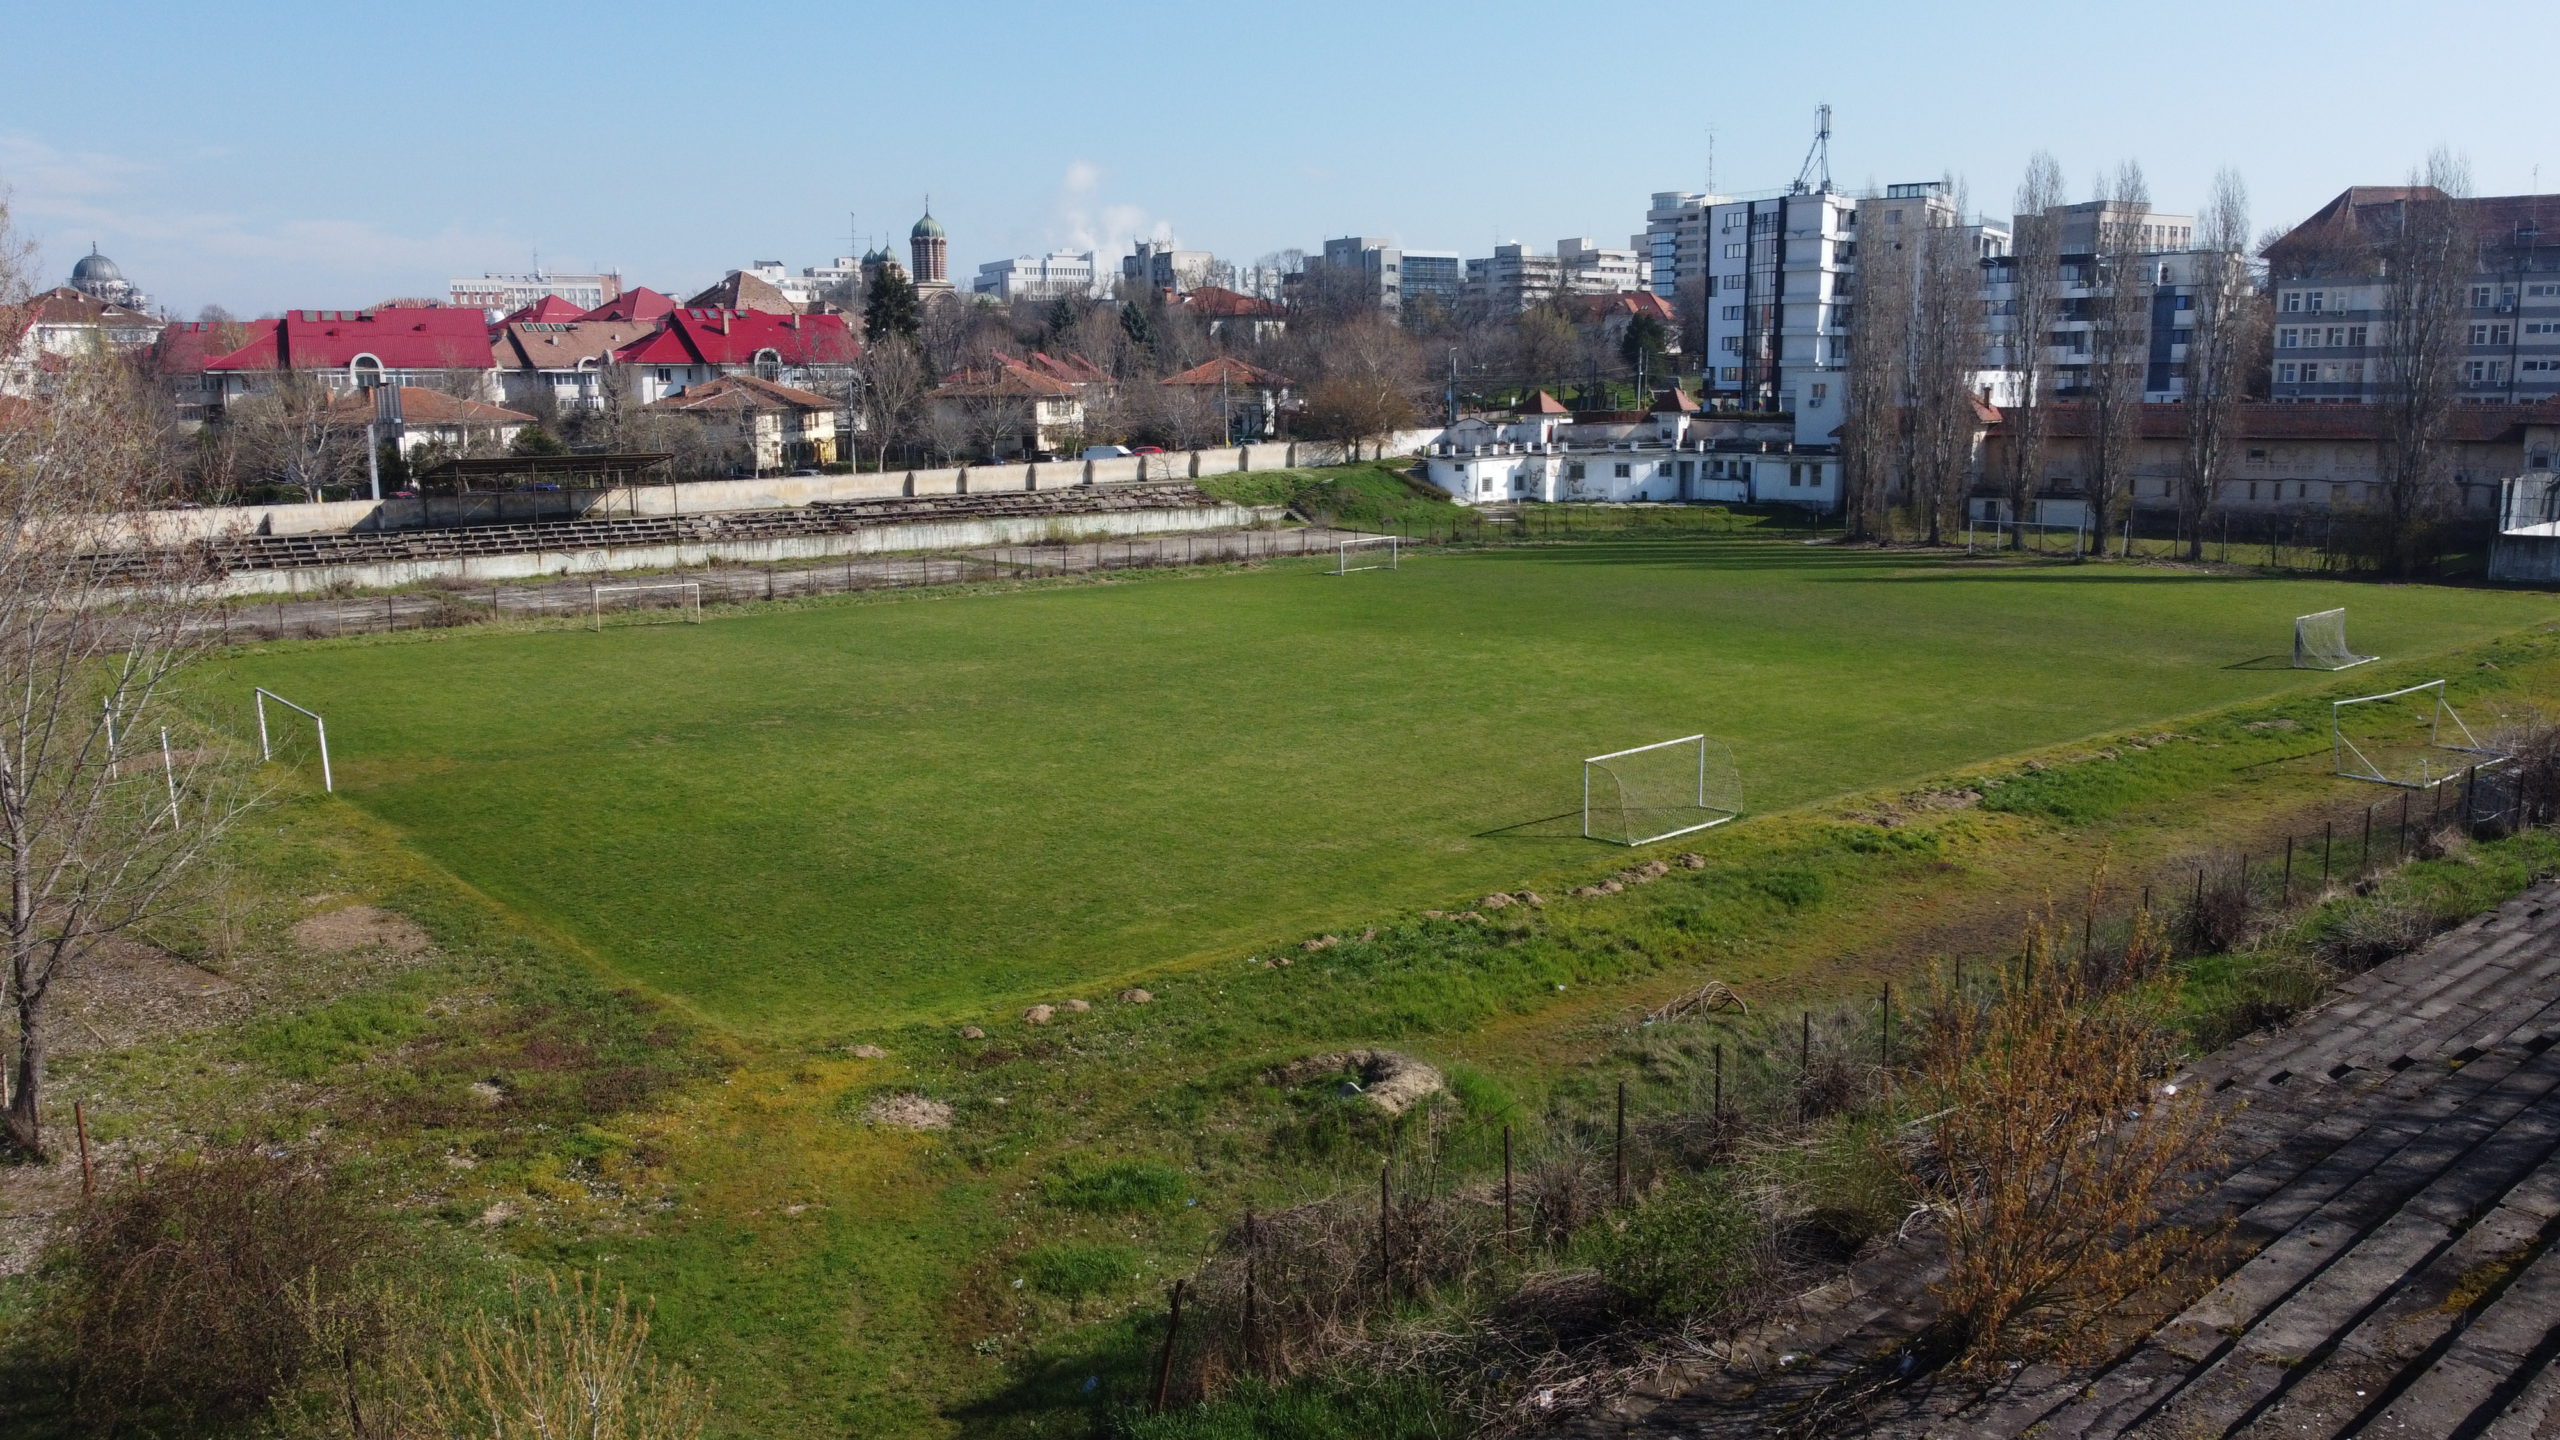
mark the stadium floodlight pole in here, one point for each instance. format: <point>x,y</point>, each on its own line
<point>328,780</point>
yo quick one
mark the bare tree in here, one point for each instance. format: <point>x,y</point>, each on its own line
<point>1947,339</point>
<point>1878,379</point>
<point>2428,257</point>
<point>2221,351</point>
<point>1369,384</point>
<point>95,830</point>
<point>2119,350</point>
<point>295,432</point>
<point>893,387</point>
<point>2036,269</point>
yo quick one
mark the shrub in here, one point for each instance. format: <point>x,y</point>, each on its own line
<point>568,1362</point>
<point>1079,1270</point>
<point>197,1297</point>
<point>1691,1250</point>
<point>1113,1187</point>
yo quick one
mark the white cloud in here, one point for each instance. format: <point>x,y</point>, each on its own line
<point>125,205</point>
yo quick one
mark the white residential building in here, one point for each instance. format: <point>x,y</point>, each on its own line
<point>1042,277</point>
<point>1162,268</point>
<point>502,295</point>
<point>1591,269</point>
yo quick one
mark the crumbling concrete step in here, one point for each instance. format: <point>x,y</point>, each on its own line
<point>2490,1365</point>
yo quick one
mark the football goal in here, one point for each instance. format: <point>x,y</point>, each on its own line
<point>266,745</point>
<point>687,601</point>
<point>2320,642</point>
<point>1990,537</point>
<point>1366,552</point>
<point>1653,792</point>
<point>2411,738</point>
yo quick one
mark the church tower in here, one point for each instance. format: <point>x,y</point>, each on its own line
<point>932,251</point>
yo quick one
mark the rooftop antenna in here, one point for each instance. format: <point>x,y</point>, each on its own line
<point>1817,161</point>
<point>1711,159</point>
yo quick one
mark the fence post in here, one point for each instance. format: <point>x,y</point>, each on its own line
<point>1510,1236</point>
<point>1622,1142</point>
<point>2288,870</point>
<point>2400,841</point>
<point>1252,1248</point>
<point>1386,1238</point>
<point>2364,852</point>
<point>1804,1069</point>
<point>88,1177</point>
<point>1164,1361</point>
<point>2328,837</point>
<point>2470,782</point>
<point>1884,1043</point>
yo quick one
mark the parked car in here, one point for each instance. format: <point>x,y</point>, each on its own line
<point>1148,450</point>
<point>1106,452</point>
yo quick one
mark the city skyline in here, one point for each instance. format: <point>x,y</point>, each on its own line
<point>307,181</point>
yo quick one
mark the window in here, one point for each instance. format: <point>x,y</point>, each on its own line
<point>2542,327</point>
<point>2337,336</point>
<point>1729,372</point>
<point>1733,312</point>
<point>1733,251</point>
<point>2491,334</point>
<point>2186,302</point>
<point>2542,290</point>
<point>1821,392</point>
<point>2355,337</point>
<point>1624,469</point>
<point>2292,301</point>
<point>2288,338</point>
<point>2479,297</point>
<point>2284,374</point>
<point>2311,300</point>
<point>1733,344</point>
<point>2539,366</point>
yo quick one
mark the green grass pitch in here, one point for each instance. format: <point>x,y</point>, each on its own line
<point>805,820</point>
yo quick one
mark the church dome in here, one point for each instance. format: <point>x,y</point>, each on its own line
<point>927,228</point>
<point>95,269</point>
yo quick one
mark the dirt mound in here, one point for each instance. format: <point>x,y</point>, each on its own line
<point>128,992</point>
<point>1392,1081</point>
<point>360,927</point>
<point>1135,996</point>
<point>908,1112</point>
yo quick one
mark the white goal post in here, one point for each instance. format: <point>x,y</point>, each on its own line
<point>1363,553</point>
<point>691,605</point>
<point>2320,642</point>
<point>260,695</point>
<point>1654,792</point>
<point>1986,537</point>
<point>2443,730</point>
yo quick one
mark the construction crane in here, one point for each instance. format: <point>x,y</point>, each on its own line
<point>1817,161</point>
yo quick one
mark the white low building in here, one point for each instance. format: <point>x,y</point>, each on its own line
<point>1672,455</point>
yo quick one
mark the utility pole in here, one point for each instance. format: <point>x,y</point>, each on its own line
<point>1453,384</point>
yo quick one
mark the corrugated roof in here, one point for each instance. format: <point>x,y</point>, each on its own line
<point>443,338</point>
<point>704,336</point>
<point>1230,372</point>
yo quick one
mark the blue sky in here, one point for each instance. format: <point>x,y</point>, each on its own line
<point>265,155</point>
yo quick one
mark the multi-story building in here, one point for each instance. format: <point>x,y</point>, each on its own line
<point>1513,279</point>
<point>2165,266</point>
<point>2331,296</point>
<point>1163,269</point>
<point>1042,277</point>
<point>61,325</point>
<point>1591,269</point>
<point>1385,273</point>
<point>500,295</point>
<point>1440,275</point>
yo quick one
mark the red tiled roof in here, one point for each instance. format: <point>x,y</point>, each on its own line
<point>1228,371</point>
<point>1674,401</point>
<point>1624,302</point>
<point>421,406</point>
<point>739,290</point>
<point>1074,369</point>
<point>401,338</point>
<point>1215,302</point>
<point>185,345</point>
<point>548,308</point>
<point>1003,376</point>
<point>703,336</point>
<point>2365,213</point>
<point>640,304</point>
<point>1542,403</point>
<point>742,392</point>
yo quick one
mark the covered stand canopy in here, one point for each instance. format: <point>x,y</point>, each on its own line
<point>541,475</point>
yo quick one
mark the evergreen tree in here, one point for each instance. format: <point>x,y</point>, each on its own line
<point>1062,319</point>
<point>890,310</point>
<point>1134,319</point>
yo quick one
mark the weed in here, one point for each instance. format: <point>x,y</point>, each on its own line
<point>1111,1187</point>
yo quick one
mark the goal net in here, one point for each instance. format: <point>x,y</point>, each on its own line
<point>2320,642</point>
<point>1987,537</point>
<point>683,598</point>
<point>1369,552</point>
<point>2411,738</point>
<point>269,743</point>
<point>1653,792</point>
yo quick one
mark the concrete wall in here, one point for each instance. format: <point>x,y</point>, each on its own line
<point>871,540</point>
<point>771,492</point>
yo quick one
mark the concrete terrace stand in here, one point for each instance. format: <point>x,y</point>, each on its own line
<point>2392,1267</point>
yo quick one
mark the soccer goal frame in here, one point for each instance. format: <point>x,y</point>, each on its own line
<point>1711,787</point>
<point>1999,530</point>
<point>1367,545</point>
<point>260,695</point>
<point>2320,642</point>
<point>692,606</point>
<point>2353,763</point>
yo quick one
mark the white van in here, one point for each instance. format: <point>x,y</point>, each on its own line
<point>1107,452</point>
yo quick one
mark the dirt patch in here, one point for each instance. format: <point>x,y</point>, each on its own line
<point>908,1112</point>
<point>127,992</point>
<point>360,927</point>
<point>1918,803</point>
<point>1390,1080</point>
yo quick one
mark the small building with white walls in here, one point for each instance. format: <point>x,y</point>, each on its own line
<point>1671,454</point>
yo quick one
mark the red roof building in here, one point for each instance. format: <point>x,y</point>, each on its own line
<point>698,344</point>
<point>643,304</point>
<point>348,348</point>
<point>550,309</point>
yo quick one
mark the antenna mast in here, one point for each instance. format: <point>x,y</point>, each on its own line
<point>1817,161</point>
